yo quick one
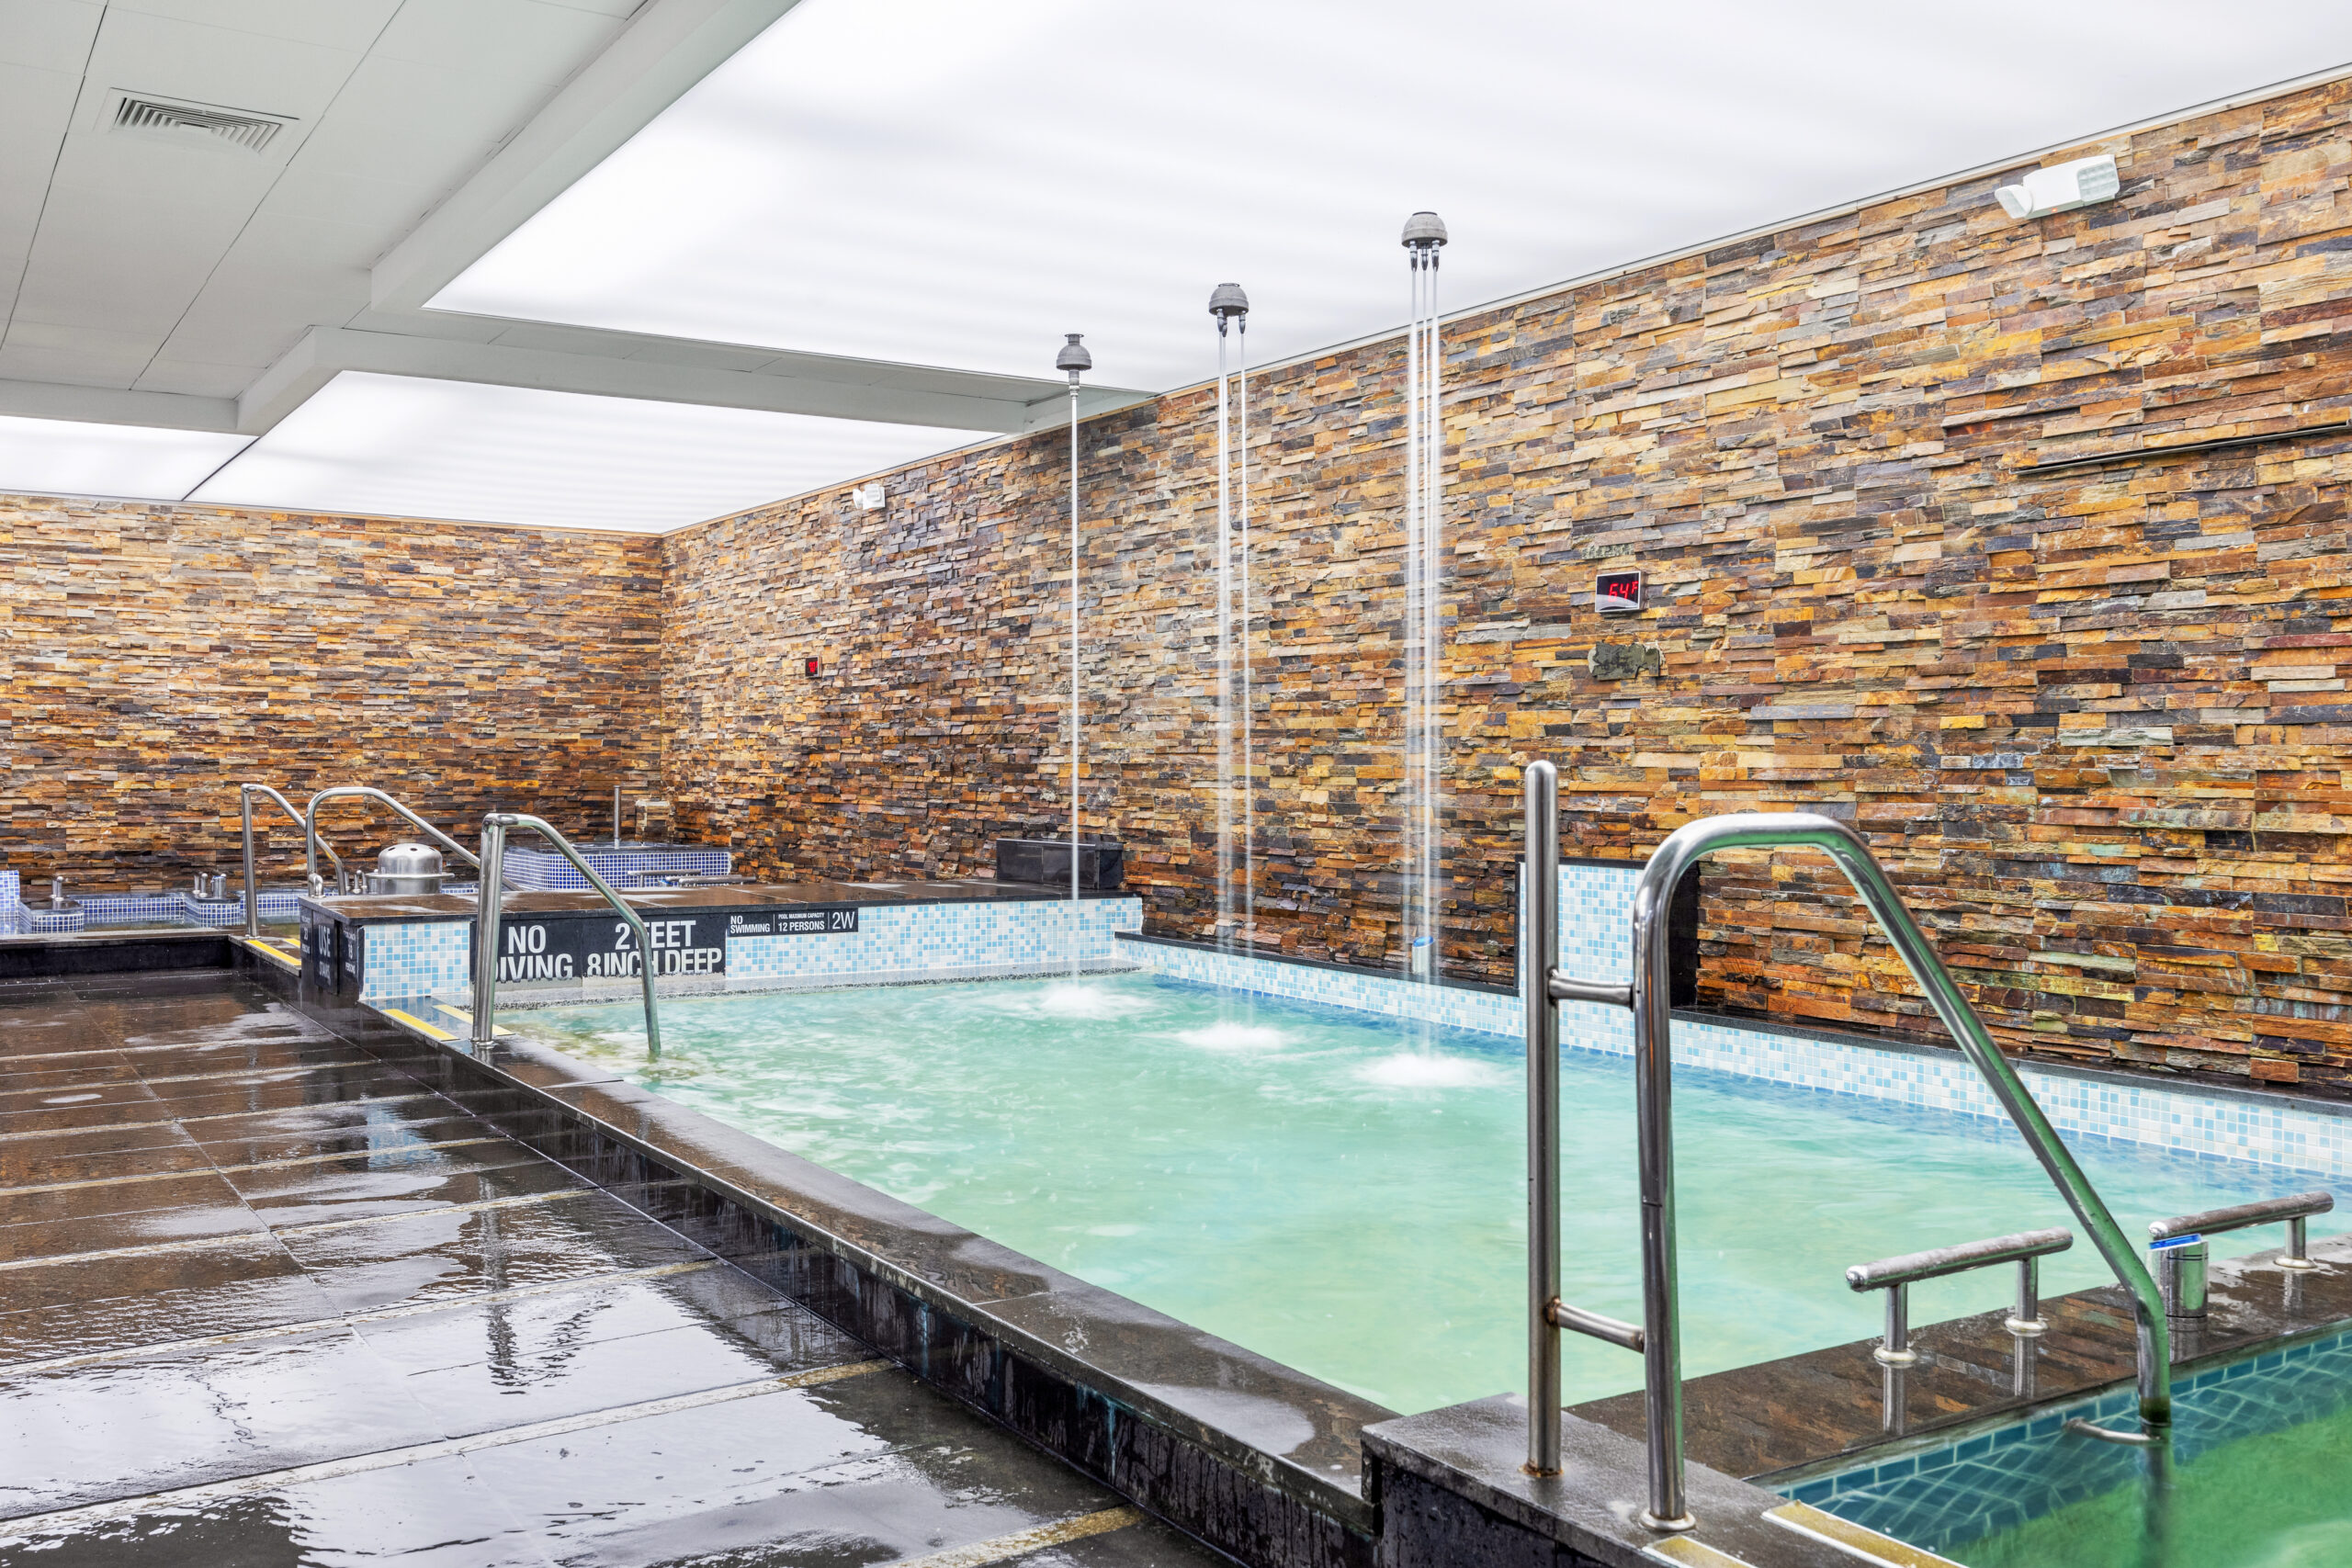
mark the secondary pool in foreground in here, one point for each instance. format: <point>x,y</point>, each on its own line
<point>1345,1193</point>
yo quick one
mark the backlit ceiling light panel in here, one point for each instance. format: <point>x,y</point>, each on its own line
<point>390,445</point>
<point>55,457</point>
<point>943,183</point>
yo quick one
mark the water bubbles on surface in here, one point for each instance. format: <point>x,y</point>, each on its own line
<point>1233,1037</point>
<point>1416,1069</point>
<point>1074,998</point>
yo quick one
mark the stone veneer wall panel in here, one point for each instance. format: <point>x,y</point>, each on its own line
<point>153,656</point>
<point>2095,720</point>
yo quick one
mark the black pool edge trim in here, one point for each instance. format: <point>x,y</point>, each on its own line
<point>1041,1380</point>
<point>63,955</point>
<point>2122,1078</point>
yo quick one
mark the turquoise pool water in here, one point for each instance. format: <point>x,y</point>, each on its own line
<point>1346,1193</point>
<point>2258,1475</point>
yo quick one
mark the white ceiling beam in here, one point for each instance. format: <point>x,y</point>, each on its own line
<point>113,405</point>
<point>630,364</point>
<point>667,48</point>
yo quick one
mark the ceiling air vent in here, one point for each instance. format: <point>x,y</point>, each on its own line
<point>184,123</point>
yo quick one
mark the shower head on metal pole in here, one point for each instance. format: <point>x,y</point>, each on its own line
<point>1074,357</point>
<point>1228,301</point>
<point>1424,232</point>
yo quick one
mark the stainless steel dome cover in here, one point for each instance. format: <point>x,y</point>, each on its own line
<point>409,859</point>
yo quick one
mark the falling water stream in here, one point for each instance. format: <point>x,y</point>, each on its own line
<point>1424,576</point>
<point>1236,801</point>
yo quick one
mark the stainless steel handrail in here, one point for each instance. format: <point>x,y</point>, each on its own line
<point>245,793</point>
<point>343,792</point>
<point>1651,1001</point>
<point>2296,1210</point>
<point>1895,1276</point>
<point>490,907</point>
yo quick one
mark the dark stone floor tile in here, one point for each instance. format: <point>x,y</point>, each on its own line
<point>387,1137</point>
<point>194,1189</point>
<point>399,1182</point>
<point>121,1429</point>
<point>815,1478</point>
<point>425,1255</point>
<point>163,984</point>
<point>52,1284</point>
<point>59,1238</point>
<point>162,1316</point>
<point>77,1090</point>
<point>434,1515</point>
<point>284,1092</point>
<point>91,1113</point>
<point>87,1154</point>
<point>39,1074</point>
<point>40,1032</point>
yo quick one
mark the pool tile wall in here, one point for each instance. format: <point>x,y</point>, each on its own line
<point>893,942</point>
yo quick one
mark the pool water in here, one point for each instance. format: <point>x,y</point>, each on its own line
<point>2259,1476</point>
<point>1346,1193</point>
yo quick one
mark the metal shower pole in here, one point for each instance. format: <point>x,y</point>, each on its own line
<point>1230,306</point>
<point>1425,447</point>
<point>1073,358</point>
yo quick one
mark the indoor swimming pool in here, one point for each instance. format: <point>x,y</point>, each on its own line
<point>1345,1193</point>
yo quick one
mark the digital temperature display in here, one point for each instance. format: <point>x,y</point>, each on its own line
<point>1617,593</point>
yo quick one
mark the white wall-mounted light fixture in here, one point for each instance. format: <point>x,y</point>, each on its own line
<point>2061,187</point>
<point>869,497</point>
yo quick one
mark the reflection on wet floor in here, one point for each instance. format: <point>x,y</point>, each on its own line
<point>265,1300</point>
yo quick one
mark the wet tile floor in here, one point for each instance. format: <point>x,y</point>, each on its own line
<point>266,1302</point>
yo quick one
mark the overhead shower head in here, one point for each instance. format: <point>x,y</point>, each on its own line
<point>1227,300</point>
<point>1073,356</point>
<point>1424,231</point>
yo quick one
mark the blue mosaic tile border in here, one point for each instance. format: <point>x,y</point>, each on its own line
<point>1596,910</point>
<point>624,867</point>
<point>414,960</point>
<point>1946,1496</point>
<point>933,942</point>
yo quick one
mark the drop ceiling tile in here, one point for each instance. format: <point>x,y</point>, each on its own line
<point>401,121</point>
<point>131,172</point>
<point>309,189</point>
<point>514,39</point>
<point>102,262</point>
<point>621,8</point>
<point>35,108</point>
<point>290,247</point>
<point>52,35</point>
<point>195,378</point>
<point>234,322</point>
<point>96,340</point>
<point>147,53</point>
<point>71,368</point>
<point>336,24</point>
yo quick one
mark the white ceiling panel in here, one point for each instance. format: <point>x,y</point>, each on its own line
<point>511,39</point>
<point>49,35</point>
<point>141,52</point>
<point>395,447</point>
<point>334,24</point>
<point>936,182</point>
<point>49,456</point>
<point>195,379</point>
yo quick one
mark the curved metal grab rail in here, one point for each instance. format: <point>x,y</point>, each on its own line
<point>342,792</point>
<point>491,906</point>
<point>245,793</point>
<point>1651,1001</point>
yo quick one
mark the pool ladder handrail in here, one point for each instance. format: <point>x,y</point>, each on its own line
<point>490,907</point>
<point>245,793</point>
<point>367,792</point>
<point>1895,1276</point>
<point>1649,995</point>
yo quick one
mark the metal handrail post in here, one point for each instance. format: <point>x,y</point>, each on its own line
<point>1652,1113</point>
<point>1542,946</point>
<point>340,792</point>
<point>253,892</point>
<point>487,920</point>
<point>245,793</point>
<point>1654,958</point>
<point>489,905</point>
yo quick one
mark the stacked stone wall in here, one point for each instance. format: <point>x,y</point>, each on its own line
<point>2093,717</point>
<point>152,658</point>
